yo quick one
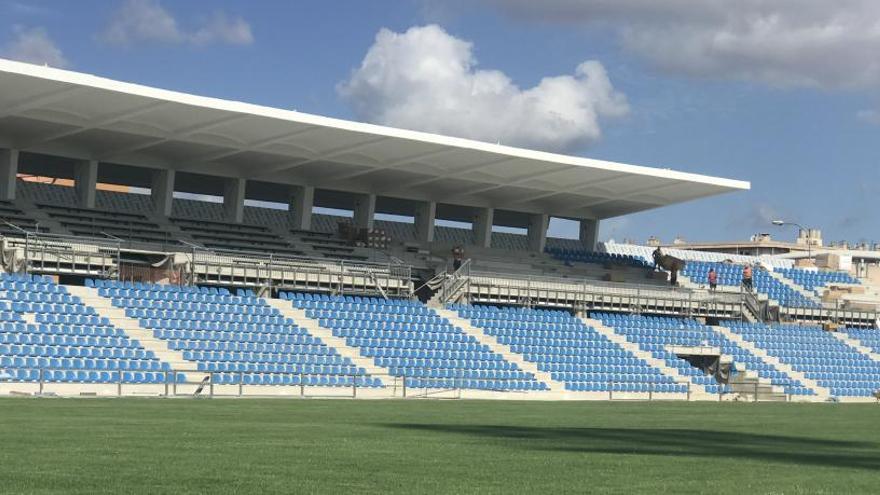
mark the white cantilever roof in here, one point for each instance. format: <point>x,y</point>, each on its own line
<point>78,115</point>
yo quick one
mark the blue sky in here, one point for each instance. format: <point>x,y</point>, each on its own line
<point>788,102</point>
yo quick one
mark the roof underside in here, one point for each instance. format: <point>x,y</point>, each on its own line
<point>64,113</point>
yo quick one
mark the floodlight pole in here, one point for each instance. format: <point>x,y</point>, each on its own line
<point>780,223</point>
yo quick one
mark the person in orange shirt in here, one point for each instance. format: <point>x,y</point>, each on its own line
<point>747,277</point>
<point>713,280</point>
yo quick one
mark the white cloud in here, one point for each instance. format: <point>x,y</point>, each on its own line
<point>809,43</point>
<point>223,29</point>
<point>869,116</point>
<point>147,20</point>
<point>34,45</point>
<point>426,79</point>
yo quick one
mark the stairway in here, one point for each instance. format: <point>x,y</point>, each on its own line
<point>821,392</point>
<point>502,349</point>
<point>750,386</point>
<point>132,328</point>
<point>697,391</point>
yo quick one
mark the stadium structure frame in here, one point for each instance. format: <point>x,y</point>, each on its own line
<point>102,121</point>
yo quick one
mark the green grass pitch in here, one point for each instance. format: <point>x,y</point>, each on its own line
<point>341,446</point>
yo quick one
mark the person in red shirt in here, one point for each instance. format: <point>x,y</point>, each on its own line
<point>747,277</point>
<point>713,280</point>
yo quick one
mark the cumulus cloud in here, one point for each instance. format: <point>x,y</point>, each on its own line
<point>34,45</point>
<point>147,20</point>
<point>426,79</point>
<point>808,43</point>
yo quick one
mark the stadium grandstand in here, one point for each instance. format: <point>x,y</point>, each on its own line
<point>159,243</point>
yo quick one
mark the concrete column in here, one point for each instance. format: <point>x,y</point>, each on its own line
<point>482,226</point>
<point>233,199</point>
<point>589,233</point>
<point>86,182</point>
<point>364,210</point>
<point>426,213</point>
<point>162,192</point>
<point>300,203</point>
<point>8,174</point>
<point>538,223</point>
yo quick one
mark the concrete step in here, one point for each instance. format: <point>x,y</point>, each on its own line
<point>634,348</point>
<point>821,392</point>
<point>326,335</point>
<point>498,348</point>
<point>133,330</point>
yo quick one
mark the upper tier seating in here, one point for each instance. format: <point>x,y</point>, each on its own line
<point>96,223</point>
<point>453,236</point>
<point>646,252</point>
<point>68,341</point>
<point>731,275</point>
<point>820,356</point>
<point>9,213</point>
<point>412,341</point>
<point>811,279</point>
<point>240,338</point>
<point>654,334</point>
<point>584,256</point>
<point>235,237</point>
<point>573,353</point>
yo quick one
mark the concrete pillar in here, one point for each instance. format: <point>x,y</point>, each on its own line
<point>233,199</point>
<point>538,223</point>
<point>364,210</point>
<point>300,203</point>
<point>8,174</point>
<point>589,233</point>
<point>426,213</point>
<point>482,227</point>
<point>86,182</point>
<point>162,192</point>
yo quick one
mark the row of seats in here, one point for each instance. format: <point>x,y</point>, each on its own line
<point>232,333</point>
<point>572,352</point>
<point>411,340</point>
<point>585,256</point>
<point>820,356</point>
<point>656,334</point>
<point>732,275</point>
<point>68,342</point>
<point>813,279</point>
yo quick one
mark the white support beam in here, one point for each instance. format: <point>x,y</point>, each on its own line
<point>537,234</point>
<point>86,182</point>
<point>589,233</point>
<point>392,165</point>
<point>469,168</point>
<point>316,157</point>
<point>42,100</point>
<point>8,173</point>
<point>233,199</point>
<point>173,135</point>
<point>426,213</point>
<point>364,210</point>
<point>98,124</point>
<point>482,226</point>
<point>301,202</point>
<point>162,192</point>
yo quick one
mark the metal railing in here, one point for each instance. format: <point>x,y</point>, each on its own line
<point>215,384</point>
<point>102,257</point>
